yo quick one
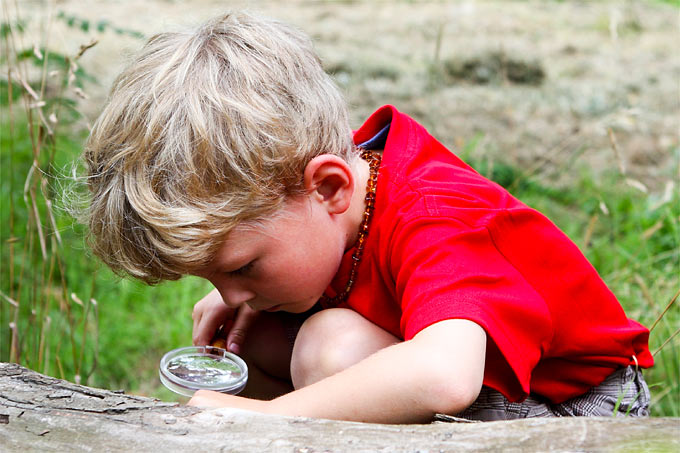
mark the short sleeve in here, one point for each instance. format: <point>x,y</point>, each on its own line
<point>445,269</point>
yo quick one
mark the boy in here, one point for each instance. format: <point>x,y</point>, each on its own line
<point>371,276</point>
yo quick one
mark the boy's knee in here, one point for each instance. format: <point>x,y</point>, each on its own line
<point>324,346</point>
<point>331,341</point>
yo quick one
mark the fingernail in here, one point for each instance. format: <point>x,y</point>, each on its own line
<point>233,347</point>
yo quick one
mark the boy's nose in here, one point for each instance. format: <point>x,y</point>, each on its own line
<point>235,296</point>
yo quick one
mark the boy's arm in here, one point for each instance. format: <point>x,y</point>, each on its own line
<point>439,371</point>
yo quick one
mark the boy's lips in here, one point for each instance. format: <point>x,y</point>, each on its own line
<point>274,308</point>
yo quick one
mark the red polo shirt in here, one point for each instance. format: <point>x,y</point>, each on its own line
<point>445,243</point>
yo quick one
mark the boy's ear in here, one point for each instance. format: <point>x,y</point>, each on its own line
<point>330,180</point>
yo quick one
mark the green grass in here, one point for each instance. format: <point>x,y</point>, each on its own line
<point>675,3</point>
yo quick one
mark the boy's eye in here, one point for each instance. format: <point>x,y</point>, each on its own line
<point>243,269</point>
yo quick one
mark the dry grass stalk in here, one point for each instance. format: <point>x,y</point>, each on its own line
<point>617,154</point>
<point>40,269</point>
<point>649,232</point>
<point>589,230</point>
<point>665,310</point>
<point>668,340</point>
<point>645,290</point>
<point>9,300</point>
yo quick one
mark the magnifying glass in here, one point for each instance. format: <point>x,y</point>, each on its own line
<point>186,370</point>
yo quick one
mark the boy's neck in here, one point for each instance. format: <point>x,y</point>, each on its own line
<point>355,213</point>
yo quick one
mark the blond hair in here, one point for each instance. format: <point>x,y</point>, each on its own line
<point>204,131</point>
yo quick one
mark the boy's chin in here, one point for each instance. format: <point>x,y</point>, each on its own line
<point>300,307</point>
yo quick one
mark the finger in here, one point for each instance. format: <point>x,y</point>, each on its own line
<point>208,325</point>
<point>204,398</point>
<point>197,315</point>
<point>237,335</point>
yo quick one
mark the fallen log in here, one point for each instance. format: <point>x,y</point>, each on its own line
<point>41,413</point>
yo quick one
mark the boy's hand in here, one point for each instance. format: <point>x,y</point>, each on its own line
<point>211,312</point>
<point>238,327</point>
<point>209,399</point>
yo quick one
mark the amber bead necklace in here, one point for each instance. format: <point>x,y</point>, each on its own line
<point>373,160</point>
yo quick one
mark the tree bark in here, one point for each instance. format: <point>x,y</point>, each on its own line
<point>40,413</point>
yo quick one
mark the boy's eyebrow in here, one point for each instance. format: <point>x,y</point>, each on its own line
<point>238,260</point>
<point>233,265</point>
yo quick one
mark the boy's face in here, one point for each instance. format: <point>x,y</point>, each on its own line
<point>285,264</point>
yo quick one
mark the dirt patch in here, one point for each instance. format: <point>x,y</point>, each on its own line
<point>493,67</point>
<point>587,68</point>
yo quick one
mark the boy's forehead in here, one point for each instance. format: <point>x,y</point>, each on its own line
<point>251,237</point>
<point>236,246</point>
<point>243,241</point>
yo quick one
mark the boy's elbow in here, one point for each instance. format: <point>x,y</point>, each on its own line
<point>452,395</point>
<point>454,384</point>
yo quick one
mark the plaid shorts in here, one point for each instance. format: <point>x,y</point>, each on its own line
<point>624,392</point>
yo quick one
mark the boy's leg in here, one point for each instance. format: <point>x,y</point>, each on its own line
<point>330,341</point>
<point>623,393</point>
